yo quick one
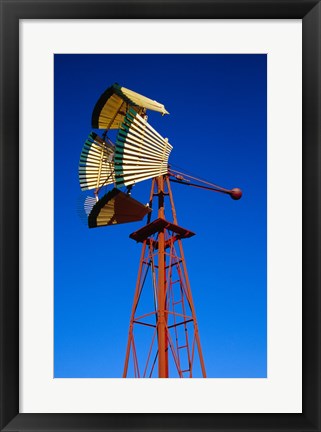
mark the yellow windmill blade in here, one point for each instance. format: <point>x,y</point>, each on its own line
<point>113,104</point>
<point>116,207</point>
<point>96,165</point>
<point>143,101</point>
<point>141,152</point>
<point>84,207</point>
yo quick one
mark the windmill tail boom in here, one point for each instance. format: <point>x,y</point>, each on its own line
<point>235,193</point>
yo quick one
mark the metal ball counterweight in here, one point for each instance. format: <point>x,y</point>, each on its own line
<point>236,193</point>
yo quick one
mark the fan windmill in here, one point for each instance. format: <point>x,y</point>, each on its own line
<point>163,305</point>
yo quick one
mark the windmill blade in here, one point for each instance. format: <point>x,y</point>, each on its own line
<point>141,152</point>
<point>114,103</point>
<point>116,207</point>
<point>143,101</point>
<point>84,207</point>
<point>96,166</point>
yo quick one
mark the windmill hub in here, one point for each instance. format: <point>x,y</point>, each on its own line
<point>236,193</point>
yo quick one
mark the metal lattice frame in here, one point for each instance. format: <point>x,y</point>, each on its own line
<point>170,325</point>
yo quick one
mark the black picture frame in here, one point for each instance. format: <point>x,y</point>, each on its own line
<point>11,12</point>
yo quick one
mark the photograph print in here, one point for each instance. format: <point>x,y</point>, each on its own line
<point>160,216</point>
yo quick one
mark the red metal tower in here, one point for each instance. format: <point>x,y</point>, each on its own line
<point>173,341</point>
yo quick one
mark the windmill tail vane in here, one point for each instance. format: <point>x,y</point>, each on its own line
<point>171,347</point>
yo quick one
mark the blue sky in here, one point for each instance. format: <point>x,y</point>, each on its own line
<point>217,126</point>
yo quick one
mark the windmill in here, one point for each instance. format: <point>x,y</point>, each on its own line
<point>163,338</point>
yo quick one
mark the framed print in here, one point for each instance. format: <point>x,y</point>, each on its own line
<point>241,84</point>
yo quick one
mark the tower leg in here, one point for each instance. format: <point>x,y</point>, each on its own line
<point>191,303</point>
<point>130,342</point>
<point>161,289</point>
<point>198,342</point>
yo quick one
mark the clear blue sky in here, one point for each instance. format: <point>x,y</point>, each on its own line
<point>217,126</point>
